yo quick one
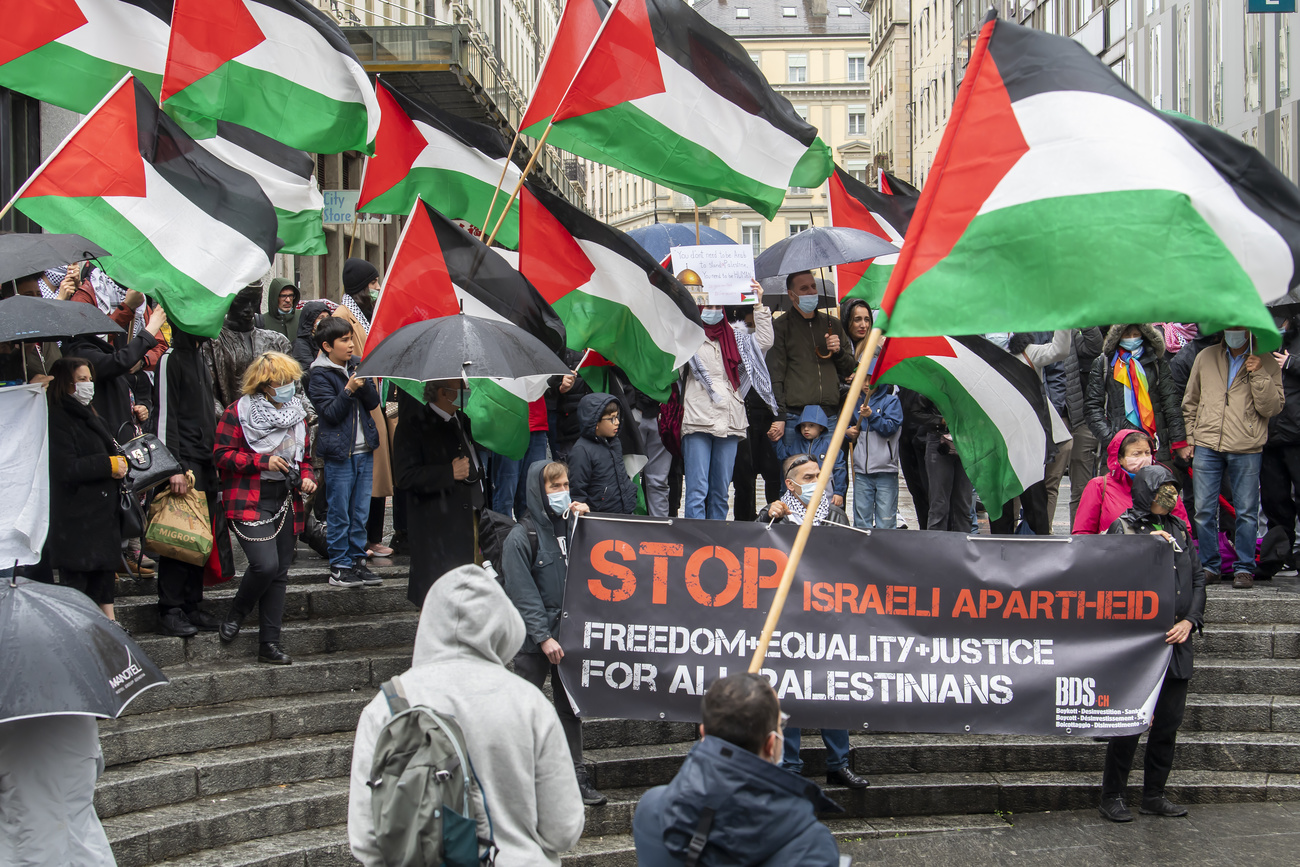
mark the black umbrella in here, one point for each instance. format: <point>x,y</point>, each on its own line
<point>775,296</point>
<point>21,255</point>
<point>461,347</point>
<point>817,247</point>
<point>1288,305</point>
<point>61,655</point>
<point>26,319</point>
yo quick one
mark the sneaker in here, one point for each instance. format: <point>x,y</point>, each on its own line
<point>341,576</point>
<point>1162,806</point>
<point>203,620</point>
<point>590,796</point>
<point>378,549</point>
<point>176,624</point>
<point>367,577</point>
<point>1115,809</point>
<point>1243,581</point>
<point>1288,572</point>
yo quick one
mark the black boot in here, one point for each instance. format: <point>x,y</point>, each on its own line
<point>314,536</point>
<point>175,623</point>
<point>1161,806</point>
<point>590,796</point>
<point>846,777</point>
<point>229,628</point>
<point>270,653</point>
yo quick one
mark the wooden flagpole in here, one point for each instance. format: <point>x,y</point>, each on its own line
<point>514,143</point>
<point>528,168</point>
<point>823,478</point>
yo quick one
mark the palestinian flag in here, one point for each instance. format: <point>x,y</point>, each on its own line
<point>70,53</point>
<point>579,23</point>
<point>281,67</point>
<point>451,163</point>
<point>1059,199</point>
<point>181,225</point>
<point>439,269</point>
<point>892,186</point>
<point>611,294</point>
<point>993,403</point>
<point>667,96</point>
<point>855,205</point>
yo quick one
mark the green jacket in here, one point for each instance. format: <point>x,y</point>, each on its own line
<point>799,377</point>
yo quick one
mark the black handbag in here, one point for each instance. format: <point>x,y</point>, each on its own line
<point>149,462</point>
<point>130,513</point>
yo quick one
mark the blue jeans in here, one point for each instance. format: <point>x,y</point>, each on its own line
<point>347,498</point>
<point>875,501</point>
<point>1208,467</point>
<point>509,477</point>
<point>837,750</point>
<point>708,462</point>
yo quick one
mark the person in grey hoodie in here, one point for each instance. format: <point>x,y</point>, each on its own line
<point>534,563</point>
<point>468,630</point>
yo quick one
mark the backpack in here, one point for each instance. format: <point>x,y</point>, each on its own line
<point>426,802</point>
<point>493,529</point>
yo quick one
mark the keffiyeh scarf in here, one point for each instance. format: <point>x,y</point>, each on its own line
<point>798,511</point>
<point>272,430</point>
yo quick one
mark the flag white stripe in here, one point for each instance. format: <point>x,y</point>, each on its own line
<point>120,33</point>
<point>286,190</point>
<point>1112,145</point>
<point>207,250</point>
<point>526,388</point>
<point>450,154</point>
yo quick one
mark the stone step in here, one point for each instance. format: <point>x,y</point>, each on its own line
<point>1242,713</point>
<point>1276,677</point>
<point>212,683</point>
<point>307,568</point>
<point>316,847</point>
<point>1248,641</point>
<point>173,779</point>
<point>1223,605</point>
<point>151,836</point>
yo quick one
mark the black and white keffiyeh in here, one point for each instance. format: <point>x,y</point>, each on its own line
<point>798,510</point>
<point>274,430</point>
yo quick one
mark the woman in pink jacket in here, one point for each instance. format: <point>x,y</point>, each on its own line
<point>1107,497</point>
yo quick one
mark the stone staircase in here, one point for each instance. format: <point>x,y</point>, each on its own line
<point>239,764</point>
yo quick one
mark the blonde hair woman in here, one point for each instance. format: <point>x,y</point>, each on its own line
<point>261,456</point>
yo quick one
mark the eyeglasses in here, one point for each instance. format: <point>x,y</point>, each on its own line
<point>614,417</point>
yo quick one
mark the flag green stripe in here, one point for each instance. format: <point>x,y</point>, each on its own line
<point>612,330</point>
<point>134,262</point>
<point>980,444</point>
<point>71,79</point>
<point>628,138</point>
<point>297,116</point>
<point>455,194</point>
<point>499,418</point>
<point>871,287</point>
<point>303,233</point>
<point>1162,262</point>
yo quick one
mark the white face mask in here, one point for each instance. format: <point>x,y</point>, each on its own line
<point>83,392</point>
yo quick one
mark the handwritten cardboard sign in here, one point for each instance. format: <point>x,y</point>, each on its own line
<point>726,270</point>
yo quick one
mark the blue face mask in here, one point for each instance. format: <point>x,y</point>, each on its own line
<point>807,303</point>
<point>1001,338</point>
<point>284,393</point>
<point>1235,339</point>
<point>558,501</point>
<point>712,316</point>
<point>1131,344</point>
<point>806,491</point>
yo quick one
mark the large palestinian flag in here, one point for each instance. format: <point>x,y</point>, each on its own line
<point>611,294</point>
<point>1059,198</point>
<point>992,401</point>
<point>451,163</point>
<point>667,96</point>
<point>856,206</point>
<point>181,225</point>
<point>70,53</point>
<point>281,67</point>
<point>439,269</point>
<point>579,23</point>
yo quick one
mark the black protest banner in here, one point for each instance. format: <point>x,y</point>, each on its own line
<point>887,631</point>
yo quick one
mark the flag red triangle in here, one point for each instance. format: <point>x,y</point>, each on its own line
<point>623,64</point>
<point>101,158</point>
<point>578,26</point>
<point>899,349</point>
<point>417,286</point>
<point>397,145</point>
<point>549,257</point>
<point>34,23</point>
<point>850,213</point>
<point>205,35</point>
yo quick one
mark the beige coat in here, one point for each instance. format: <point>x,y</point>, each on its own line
<point>1230,419</point>
<point>726,417</point>
<point>382,483</point>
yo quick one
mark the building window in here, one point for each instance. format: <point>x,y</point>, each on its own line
<point>1283,56</point>
<point>1183,61</point>
<point>1153,54</point>
<point>801,110</point>
<point>797,72</point>
<point>1254,59</point>
<point>858,169</point>
<point>1284,146</point>
<point>796,228</point>
<point>857,67</point>
<point>788,12</point>
<point>844,12</point>
<point>858,120</point>
<point>1214,48</point>
<point>752,234</point>
<point>757,60</point>
<point>742,13</point>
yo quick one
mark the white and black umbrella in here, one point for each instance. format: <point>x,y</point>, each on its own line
<point>61,655</point>
<point>819,247</point>
<point>462,347</point>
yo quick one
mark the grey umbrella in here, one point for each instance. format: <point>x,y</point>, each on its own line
<point>818,247</point>
<point>775,296</point>
<point>61,655</point>
<point>461,347</point>
<point>26,319</point>
<point>21,255</point>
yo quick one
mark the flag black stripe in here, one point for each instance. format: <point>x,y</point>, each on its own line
<point>299,163</point>
<point>323,24</point>
<point>901,187</point>
<point>1023,377</point>
<point>897,209</point>
<point>157,8</point>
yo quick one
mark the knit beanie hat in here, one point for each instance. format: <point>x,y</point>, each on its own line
<point>357,274</point>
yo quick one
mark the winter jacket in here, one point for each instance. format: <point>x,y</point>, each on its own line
<point>1107,497</point>
<point>799,377</point>
<point>1284,428</point>
<point>1231,417</point>
<point>48,768</point>
<point>1085,346</point>
<point>273,319</point>
<point>597,475</point>
<point>186,422</point>
<point>1181,366</point>
<point>534,581</point>
<point>468,632</point>
<point>85,533</point>
<point>876,450</point>
<point>113,393</point>
<point>761,813</point>
<point>305,349</point>
<point>338,412</point>
<point>1104,403</point>
<point>724,417</point>
<point>818,446</point>
<point>381,480</point>
<point>1189,577</point>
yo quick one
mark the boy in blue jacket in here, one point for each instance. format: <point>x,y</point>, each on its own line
<point>815,439</point>
<point>345,439</point>
<point>875,459</point>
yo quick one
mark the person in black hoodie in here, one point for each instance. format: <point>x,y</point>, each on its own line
<point>597,475</point>
<point>1279,473</point>
<point>305,349</point>
<point>188,428</point>
<point>85,539</point>
<point>1155,494</point>
<point>282,313</point>
<point>115,365</point>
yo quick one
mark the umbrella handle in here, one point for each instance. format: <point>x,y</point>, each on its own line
<point>828,354</point>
